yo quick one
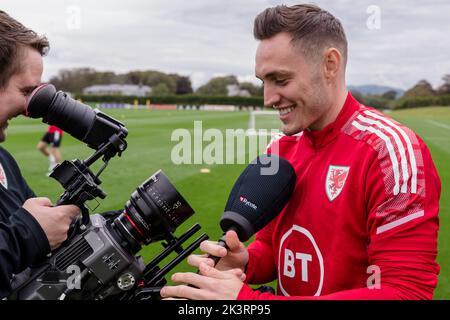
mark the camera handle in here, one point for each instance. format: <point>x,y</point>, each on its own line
<point>81,184</point>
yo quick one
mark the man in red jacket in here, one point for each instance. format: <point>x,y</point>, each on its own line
<point>362,222</point>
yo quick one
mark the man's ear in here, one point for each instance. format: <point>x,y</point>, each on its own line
<point>332,63</point>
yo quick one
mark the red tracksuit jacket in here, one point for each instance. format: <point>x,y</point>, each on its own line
<point>362,222</point>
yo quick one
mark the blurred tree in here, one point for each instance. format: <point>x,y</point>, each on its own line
<point>445,88</point>
<point>255,91</point>
<point>390,95</point>
<point>421,89</point>
<point>183,85</point>
<point>151,78</point>
<point>217,86</point>
<point>75,80</point>
<point>160,89</point>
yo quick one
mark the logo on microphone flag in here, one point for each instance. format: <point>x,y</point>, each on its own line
<point>248,203</point>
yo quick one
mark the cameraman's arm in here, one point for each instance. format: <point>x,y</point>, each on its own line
<point>28,193</point>
<point>15,176</point>
<point>22,243</point>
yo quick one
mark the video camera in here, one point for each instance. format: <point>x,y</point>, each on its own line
<point>98,260</point>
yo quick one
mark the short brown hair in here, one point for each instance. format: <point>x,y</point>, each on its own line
<point>312,28</point>
<point>13,38</point>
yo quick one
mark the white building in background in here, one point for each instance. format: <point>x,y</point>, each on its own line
<point>234,90</point>
<point>118,89</point>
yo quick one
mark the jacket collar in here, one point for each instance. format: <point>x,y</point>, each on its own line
<point>321,138</point>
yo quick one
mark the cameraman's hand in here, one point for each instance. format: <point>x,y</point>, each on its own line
<point>235,257</point>
<point>55,221</point>
<point>210,284</point>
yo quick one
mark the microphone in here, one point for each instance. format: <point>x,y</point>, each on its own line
<point>258,196</point>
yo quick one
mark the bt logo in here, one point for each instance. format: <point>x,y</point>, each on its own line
<point>300,263</point>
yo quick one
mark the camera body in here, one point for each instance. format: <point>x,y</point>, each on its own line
<point>98,260</point>
<point>93,265</point>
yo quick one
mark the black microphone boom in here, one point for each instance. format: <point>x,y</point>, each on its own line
<point>258,196</point>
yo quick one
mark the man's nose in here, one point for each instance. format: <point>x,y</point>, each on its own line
<point>271,97</point>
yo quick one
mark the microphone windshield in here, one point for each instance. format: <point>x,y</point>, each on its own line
<point>259,194</point>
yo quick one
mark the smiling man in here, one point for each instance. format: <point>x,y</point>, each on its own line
<point>362,222</point>
<point>29,227</point>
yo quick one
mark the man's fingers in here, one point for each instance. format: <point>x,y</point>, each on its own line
<point>211,272</point>
<point>71,210</point>
<point>195,260</point>
<point>44,201</point>
<point>233,241</point>
<point>41,201</point>
<point>236,272</point>
<point>213,248</point>
<point>190,278</point>
<point>180,292</point>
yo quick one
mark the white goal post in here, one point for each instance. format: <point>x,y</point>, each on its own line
<point>252,122</point>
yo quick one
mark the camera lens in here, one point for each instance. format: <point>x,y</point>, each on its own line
<point>153,212</point>
<point>81,121</point>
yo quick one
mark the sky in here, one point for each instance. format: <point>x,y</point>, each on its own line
<point>393,43</point>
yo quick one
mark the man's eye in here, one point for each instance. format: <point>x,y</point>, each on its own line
<point>280,82</point>
<point>26,92</point>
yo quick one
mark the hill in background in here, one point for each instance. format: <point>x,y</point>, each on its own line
<point>371,89</point>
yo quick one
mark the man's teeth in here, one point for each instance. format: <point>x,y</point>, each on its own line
<point>285,111</point>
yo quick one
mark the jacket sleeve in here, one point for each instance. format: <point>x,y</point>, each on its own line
<point>402,228</point>
<point>22,243</point>
<point>25,190</point>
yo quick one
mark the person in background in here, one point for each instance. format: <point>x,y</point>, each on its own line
<point>50,145</point>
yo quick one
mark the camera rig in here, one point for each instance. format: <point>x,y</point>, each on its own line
<point>98,260</point>
<point>77,179</point>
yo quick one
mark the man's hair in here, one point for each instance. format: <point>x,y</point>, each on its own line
<point>14,37</point>
<point>312,29</point>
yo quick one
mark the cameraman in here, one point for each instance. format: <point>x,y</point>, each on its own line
<point>29,227</point>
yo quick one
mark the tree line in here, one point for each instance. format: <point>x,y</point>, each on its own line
<point>162,84</point>
<point>177,88</point>
<point>421,94</point>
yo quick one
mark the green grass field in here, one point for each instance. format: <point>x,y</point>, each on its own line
<point>150,147</point>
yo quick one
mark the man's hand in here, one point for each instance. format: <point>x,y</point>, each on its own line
<point>55,221</point>
<point>235,257</point>
<point>210,284</point>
